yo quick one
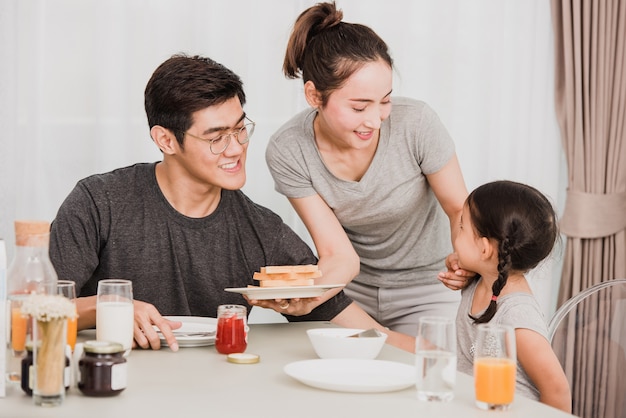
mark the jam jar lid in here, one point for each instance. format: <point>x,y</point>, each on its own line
<point>102,347</point>
<point>243,358</point>
<point>29,345</point>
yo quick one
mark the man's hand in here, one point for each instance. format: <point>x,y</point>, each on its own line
<point>455,278</point>
<point>146,315</point>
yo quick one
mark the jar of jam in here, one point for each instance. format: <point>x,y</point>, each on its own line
<point>232,331</point>
<point>27,370</point>
<point>102,369</point>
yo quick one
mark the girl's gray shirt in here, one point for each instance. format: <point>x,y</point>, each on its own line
<point>391,215</point>
<point>518,310</point>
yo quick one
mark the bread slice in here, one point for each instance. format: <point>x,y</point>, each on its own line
<point>305,268</point>
<point>284,276</point>
<point>287,276</point>
<point>287,283</point>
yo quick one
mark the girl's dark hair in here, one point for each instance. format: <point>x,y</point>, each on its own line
<point>327,51</point>
<point>182,85</point>
<point>521,220</point>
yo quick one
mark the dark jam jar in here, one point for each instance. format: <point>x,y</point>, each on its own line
<point>103,369</point>
<point>27,370</point>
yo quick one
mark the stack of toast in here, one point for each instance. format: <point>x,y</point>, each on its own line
<point>284,276</point>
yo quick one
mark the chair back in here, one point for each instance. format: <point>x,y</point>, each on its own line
<point>588,335</point>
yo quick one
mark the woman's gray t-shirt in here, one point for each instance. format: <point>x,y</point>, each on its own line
<point>391,215</point>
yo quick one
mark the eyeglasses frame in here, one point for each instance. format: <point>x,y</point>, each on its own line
<point>228,135</point>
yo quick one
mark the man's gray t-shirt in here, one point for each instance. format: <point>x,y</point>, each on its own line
<point>391,215</point>
<point>119,225</point>
<point>518,310</point>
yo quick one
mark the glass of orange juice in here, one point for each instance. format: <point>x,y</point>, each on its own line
<point>67,288</point>
<point>19,329</point>
<point>495,363</point>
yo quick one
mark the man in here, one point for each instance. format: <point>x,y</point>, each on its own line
<point>181,229</point>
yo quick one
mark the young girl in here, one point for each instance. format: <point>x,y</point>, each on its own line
<point>506,229</point>
<point>374,178</point>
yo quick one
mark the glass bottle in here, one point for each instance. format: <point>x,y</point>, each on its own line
<point>30,271</point>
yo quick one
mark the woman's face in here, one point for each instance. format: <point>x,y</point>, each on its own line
<point>353,113</point>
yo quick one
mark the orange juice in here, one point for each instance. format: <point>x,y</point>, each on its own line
<point>494,380</point>
<point>72,329</point>
<point>19,326</point>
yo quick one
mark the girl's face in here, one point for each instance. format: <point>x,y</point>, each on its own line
<point>353,113</point>
<point>468,244</point>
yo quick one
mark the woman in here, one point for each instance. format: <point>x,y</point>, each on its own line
<point>369,179</point>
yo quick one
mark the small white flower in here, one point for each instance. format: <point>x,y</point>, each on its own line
<point>45,308</point>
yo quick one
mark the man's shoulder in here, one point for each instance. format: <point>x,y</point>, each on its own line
<point>139,170</point>
<point>123,180</point>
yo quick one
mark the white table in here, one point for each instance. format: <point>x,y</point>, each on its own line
<point>200,382</point>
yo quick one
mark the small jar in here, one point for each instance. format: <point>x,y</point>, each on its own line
<point>232,330</point>
<point>27,370</point>
<point>103,369</point>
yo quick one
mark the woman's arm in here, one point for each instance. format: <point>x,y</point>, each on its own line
<point>355,317</point>
<point>538,360</point>
<point>338,260</point>
<point>449,188</point>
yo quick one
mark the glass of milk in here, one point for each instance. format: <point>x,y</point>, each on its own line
<point>114,312</point>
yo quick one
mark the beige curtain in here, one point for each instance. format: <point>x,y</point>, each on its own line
<point>590,43</point>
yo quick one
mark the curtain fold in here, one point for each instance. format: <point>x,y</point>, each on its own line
<point>590,95</point>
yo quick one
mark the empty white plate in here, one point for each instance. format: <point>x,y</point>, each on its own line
<point>353,375</point>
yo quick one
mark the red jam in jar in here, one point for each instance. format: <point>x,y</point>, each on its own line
<point>232,333</point>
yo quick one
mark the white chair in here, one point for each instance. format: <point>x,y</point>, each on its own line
<point>588,335</point>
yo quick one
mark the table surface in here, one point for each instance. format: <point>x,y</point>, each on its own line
<point>200,382</point>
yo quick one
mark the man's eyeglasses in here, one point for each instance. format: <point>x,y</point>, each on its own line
<point>219,144</point>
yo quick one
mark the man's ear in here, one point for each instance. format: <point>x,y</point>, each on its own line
<point>313,97</point>
<point>164,139</point>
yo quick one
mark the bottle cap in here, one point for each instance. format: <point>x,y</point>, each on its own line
<point>243,358</point>
<point>26,229</point>
<point>102,347</point>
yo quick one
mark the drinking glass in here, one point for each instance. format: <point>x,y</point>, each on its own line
<point>435,358</point>
<point>495,363</point>
<point>114,312</point>
<point>232,331</point>
<point>67,288</point>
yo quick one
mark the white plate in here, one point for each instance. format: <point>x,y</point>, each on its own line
<point>353,375</point>
<point>193,324</point>
<point>288,292</point>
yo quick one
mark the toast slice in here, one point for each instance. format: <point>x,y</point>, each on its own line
<point>285,276</point>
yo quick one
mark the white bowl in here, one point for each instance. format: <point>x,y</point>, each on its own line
<point>335,343</point>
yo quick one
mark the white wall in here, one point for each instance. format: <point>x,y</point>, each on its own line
<point>73,73</point>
